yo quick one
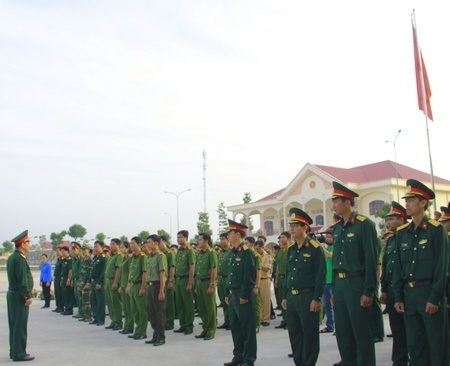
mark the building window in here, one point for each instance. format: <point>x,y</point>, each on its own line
<point>268,226</point>
<point>319,220</point>
<point>375,206</point>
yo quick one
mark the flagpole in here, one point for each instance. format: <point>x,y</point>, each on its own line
<point>424,98</point>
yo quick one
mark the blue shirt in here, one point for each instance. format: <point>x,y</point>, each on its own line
<point>46,273</point>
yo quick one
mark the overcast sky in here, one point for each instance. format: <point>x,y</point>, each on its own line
<point>104,105</point>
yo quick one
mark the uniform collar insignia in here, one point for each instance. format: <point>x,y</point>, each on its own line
<point>423,241</point>
<point>350,235</point>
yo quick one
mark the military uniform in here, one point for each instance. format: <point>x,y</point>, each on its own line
<point>222,270</point>
<point>98,295</point>
<point>281,260</point>
<point>138,265</point>
<point>258,307</point>
<point>76,268</point>
<point>85,274</point>
<point>184,300</point>
<point>170,292</point>
<point>67,289</point>
<point>376,312</point>
<point>128,325</point>
<point>57,286</point>
<point>113,298</point>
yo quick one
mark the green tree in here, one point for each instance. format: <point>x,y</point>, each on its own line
<point>144,234</point>
<point>76,232</point>
<point>8,246</point>
<point>100,236</point>
<point>202,227</point>
<point>247,199</point>
<point>166,234</point>
<point>57,238</point>
<point>382,212</point>
<point>223,218</point>
<point>123,238</point>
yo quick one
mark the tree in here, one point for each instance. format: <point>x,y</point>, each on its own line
<point>57,238</point>
<point>144,234</point>
<point>76,232</point>
<point>247,199</point>
<point>100,237</point>
<point>382,212</point>
<point>9,247</point>
<point>223,218</point>
<point>123,238</point>
<point>202,227</point>
<point>166,234</point>
<point>42,239</point>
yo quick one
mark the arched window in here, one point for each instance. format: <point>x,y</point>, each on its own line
<point>375,206</point>
<point>319,220</point>
<point>268,226</point>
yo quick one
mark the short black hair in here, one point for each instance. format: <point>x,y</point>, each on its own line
<point>115,240</point>
<point>206,237</point>
<point>126,244</point>
<point>184,233</point>
<point>155,238</point>
<point>163,238</point>
<point>287,234</point>
<point>137,239</point>
<point>100,242</point>
<point>259,243</point>
<point>224,235</point>
<point>250,239</point>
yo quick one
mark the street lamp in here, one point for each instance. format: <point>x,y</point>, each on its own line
<point>395,158</point>
<point>178,211</point>
<point>170,221</point>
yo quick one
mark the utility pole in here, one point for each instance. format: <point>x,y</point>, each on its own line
<point>204,180</point>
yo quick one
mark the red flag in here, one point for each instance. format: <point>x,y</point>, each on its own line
<point>426,83</point>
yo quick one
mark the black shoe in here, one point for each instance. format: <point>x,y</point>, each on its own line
<point>126,331</point>
<point>378,339</point>
<point>139,336</point>
<point>228,328</point>
<point>117,327</point>
<point>245,364</point>
<point>282,325</point>
<point>201,335</point>
<point>389,335</point>
<point>290,355</point>
<point>151,341</point>
<point>132,335</point>
<point>272,317</point>
<point>67,313</point>
<point>168,327</point>
<point>265,324</point>
<point>45,307</point>
<point>337,363</point>
<point>94,322</point>
<point>232,363</point>
<point>159,342</point>
<point>100,324</point>
<point>187,332</point>
<point>208,337</point>
<point>26,358</point>
<point>280,314</point>
<point>223,326</point>
<point>111,326</point>
<point>180,330</point>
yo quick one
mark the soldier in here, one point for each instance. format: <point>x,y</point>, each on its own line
<point>205,275</point>
<point>170,294</point>
<point>57,282</point>
<point>112,277</point>
<point>137,289</point>
<point>85,274</point>
<point>76,267</point>
<point>240,297</point>
<point>250,242</point>
<point>281,259</point>
<point>445,221</point>
<point>265,282</point>
<point>222,270</point>
<point>328,290</point>
<point>184,276</point>
<point>18,298</point>
<point>156,280</point>
<point>66,281</point>
<point>128,326</point>
<point>420,273</point>
<point>354,279</point>
<point>395,218</point>
<point>96,284</point>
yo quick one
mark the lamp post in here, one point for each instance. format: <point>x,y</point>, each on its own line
<point>178,211</point>
<point>395,158</point>
<point>170,222</point>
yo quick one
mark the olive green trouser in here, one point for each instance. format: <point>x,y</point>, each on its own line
<point>114,303</point>
<point>258,309</point>
<point>207,307</point>
<point>185,304</point>
<point>221,284</point>
<point>17,321</point>
<point>77,295</point>
<point>280,296</point>
<point>126,303</point>
<point>139,309</point>
<point>170,307</point>
<point>97,301</point>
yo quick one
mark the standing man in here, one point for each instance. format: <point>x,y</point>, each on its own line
<point>66,281</point>
<point>328,290</point>
<point>222,270</point>
<point>57,282</point>
<point>240,297</point>
<point>303,289</point>
<point>420,275</point>
<point>112,283</point>
<point>281,259</point>
<point>265,282</point>
<point>46,279</point>
<point>394,219</point>
<point>354,279</point>
<point>85,274</point>
<point>18,298</point>
<point>170,295</point>
<point>128,325</point>
<point>445,221</point>
<point>205,275</point>
<point>250,242</point>
<point>157,273</point>
<point>76,267</point>
<point>184,275</point>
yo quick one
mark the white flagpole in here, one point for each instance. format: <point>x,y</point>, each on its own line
<point>424,100</point>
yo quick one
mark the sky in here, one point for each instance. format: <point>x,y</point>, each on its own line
<point>104,105</point>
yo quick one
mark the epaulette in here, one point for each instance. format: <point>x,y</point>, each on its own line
<point>434,222</point>
<point>209,249</point>
<point>361,218</point>
<point>315,243</point>
<point>404,226</point>
<point>245,247</point>
<point>290,245</point>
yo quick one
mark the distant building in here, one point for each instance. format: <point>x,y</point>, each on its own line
<point>311,191</point>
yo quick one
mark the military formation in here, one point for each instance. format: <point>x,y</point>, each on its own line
<point>142,283</point>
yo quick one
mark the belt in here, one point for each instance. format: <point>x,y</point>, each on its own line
<point>151,283</point>
<point>349,274</point>
<point>203,279</point>
<point>265,278</point>
<point>419,283</point>
<point>180,277</point>
<point>235,291</point>
<point>305,290</point>
<point>135,282</point>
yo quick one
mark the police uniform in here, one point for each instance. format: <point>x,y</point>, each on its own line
<point>281,260</point>
<point>222,270</point>
<point>170,292</point>
<point>85,274</point>
<point>128,325</point>
<point>97,277</point>
<point>113,298</point>
<point>57,285</point>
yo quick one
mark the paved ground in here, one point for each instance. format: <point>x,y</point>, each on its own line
<point>60,340</point>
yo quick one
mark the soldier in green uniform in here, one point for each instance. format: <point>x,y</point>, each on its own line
<point>66,281</point>
<point>395,218</point>
<point>303,289</point>
<point>222,270</point>
<point>250,242</point>
<point>184,276</point>
<point>420,274</point>
<point>137,289</point>
<point>240,297</point>
<point>128,325</point>
<point>281,260</point>
<point>18,298</point>
<point>376,313</point>
<point>57,282</point>
<point>170,292</point>
<point>354,279</point>
<point>85,274</point>
<point>96,284</point>
<point>76,267</point>
<point>112,277</point>
<point>445,221</point>
<point>157,276</point>
<point>205,275</point>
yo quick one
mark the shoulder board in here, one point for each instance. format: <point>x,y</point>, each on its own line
<point>315,243</point>
<point>434,222</point>
<point>245,247</point>
<point>404,226</point>
<point>361,218</point>
<point>290,245</point>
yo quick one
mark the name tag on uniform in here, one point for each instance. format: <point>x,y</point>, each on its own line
<point>350,235</point>
<point>423,241</point>
<point>238,259</point>
<point>307,255</point>
<point>404,245</point>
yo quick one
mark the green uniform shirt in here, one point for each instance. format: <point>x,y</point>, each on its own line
<point>281,259</point>
<point>156,264</point>
<point>85,269</point>
<point>138,265</point>
<point>113,263</point>
<point>223,260</point>
<point>329,265</point>
<point>20,278</point>
<point>387,265</point>
<point>206,260</point>
<point>76,267</point>
<point>57,271</point>
<point>66,265</point>
<point>305,268</point>
<point>185,258</point>
<point>422,255</point>
<point>98,268</point>
<point>124,271</point>
<point>355,250</point>
<point>241,271</point>
<point>170,256</point>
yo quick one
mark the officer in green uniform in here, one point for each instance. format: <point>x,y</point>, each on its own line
<point>112,277</point>
<point>96,284</point>
<point>395,218</point>
<point>137,289</point>
<point>222,270</point>
<point>57,282</point>
<point>420,274</point>
<point>240,297</point>
<point>184,276</point>
<point>445,221</point>
<point>85,274</point>
<point>376,313</point>
<point>170,292</point>
<point>250,242</point>
<point>354,279</point>
<point>66,281</point>
<point>281,260</point>
<point>18,298</point>
<point>157,276</point>
<point>128,325</point>
<point>76,268</point>
<point>205,276</point>
<point>303,289</point>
